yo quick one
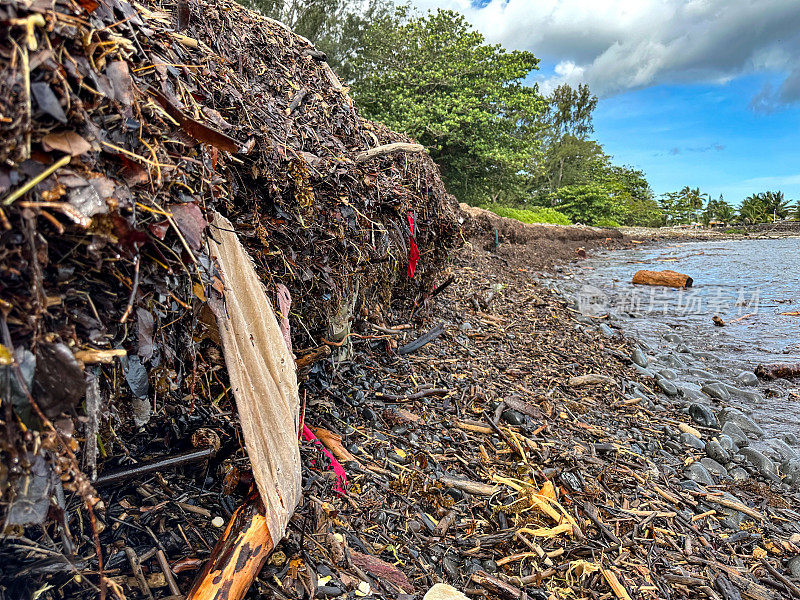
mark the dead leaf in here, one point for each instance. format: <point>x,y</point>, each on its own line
<point>333,443</point>
<point>196,129</point>
<point>382,570</point>
<point>145,327</point>
<point>47,101</point>
<point>68,142</point>
<point>117,73</point>
<point>191,222</point>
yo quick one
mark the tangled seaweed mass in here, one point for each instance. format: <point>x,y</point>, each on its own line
<point>124,127</point>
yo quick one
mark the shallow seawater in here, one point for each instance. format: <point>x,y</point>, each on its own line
<point>753,285</point>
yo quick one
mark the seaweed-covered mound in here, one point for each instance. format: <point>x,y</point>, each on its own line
<point>124,127</point>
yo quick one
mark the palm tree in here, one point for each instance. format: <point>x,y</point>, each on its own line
<point>693,199</point>
<point>753,209</point>
<point>775,203</point>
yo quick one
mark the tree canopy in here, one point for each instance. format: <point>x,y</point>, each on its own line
<point>436,78</point>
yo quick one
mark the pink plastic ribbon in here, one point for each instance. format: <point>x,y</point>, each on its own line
<point>338,469</point>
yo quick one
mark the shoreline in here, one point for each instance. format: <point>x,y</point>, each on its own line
<point>787,229</point>
<point>526,395</point>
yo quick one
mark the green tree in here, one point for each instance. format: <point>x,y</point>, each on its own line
<point>635,202</point>
<point>570,161</point>
<point>591,204</point>
<point>753,209</point>
<point>569,111</point>
<point>676,207</point>
<point>568,156</point>
<point>718,210</point>
<point>775,205</point>
<point>435,78</point>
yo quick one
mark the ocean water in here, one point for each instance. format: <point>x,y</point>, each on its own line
<point>753,285</point>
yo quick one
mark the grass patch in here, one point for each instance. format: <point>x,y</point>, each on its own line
<point>538,214</point>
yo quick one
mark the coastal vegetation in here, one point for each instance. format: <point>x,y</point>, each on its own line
<point>500,140</point>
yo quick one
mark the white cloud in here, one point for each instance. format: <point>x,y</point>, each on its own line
<point>618,45</point>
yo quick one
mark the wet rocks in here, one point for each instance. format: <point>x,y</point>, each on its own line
<point>763,464</point>
<point>639,358</point>
<point>794,567</point>
<point>699,473</point>
<point>727,442</point>
<point>746,378</point>
<point>703,415</point>
<point>791,472</point>
<point>737,417</point>
<point>667,374</point>
<point>784,450</point>
<point>735,433</point>
<point>672,361</point>
<point>687,439</point>
<point>714,467</point>
<point>667,387</point>
<point>748,395</point>
<point>715,451</point>
<point>715,390</point>
<point>738,474</point>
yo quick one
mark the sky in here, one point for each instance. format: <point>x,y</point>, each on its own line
<point>704,93</point>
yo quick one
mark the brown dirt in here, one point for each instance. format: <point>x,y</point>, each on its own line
<point>537,247</point>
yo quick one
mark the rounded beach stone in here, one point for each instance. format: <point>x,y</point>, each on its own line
<point>746,378</point>
<point>668,388</point>
<point>737,417</point>
<point>638,357</point>
<point>714,467</point>
<point>687,439</point>
<point>715,451</point>
<point>703,415</point>
<point>699,473</point>
<point>715,390</point>
<point>733,431</point>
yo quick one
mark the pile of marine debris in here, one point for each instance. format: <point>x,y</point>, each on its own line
<point>126,130</point>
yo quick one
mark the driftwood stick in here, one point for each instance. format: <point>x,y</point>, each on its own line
<point>387,149</point>
<point>465,485</point>
<point>237,556</point>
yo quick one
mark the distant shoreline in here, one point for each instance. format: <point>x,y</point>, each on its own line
<point>783,229</point>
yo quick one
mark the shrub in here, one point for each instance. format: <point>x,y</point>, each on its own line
<point>538,214</point>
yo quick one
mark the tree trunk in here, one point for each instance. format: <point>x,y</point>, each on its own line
<point>665,278</point>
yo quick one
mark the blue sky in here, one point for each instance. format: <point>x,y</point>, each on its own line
<point>704,93</point>
<point>704,135</point>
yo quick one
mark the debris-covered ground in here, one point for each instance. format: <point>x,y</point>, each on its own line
<point>518,454</point>
<point>486,441</point>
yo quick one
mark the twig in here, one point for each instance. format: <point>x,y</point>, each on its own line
<point>136,566</point>
<point>789,585</point>
<point>134,289</point>
<point>164,564</point>
<point>40,177</point>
